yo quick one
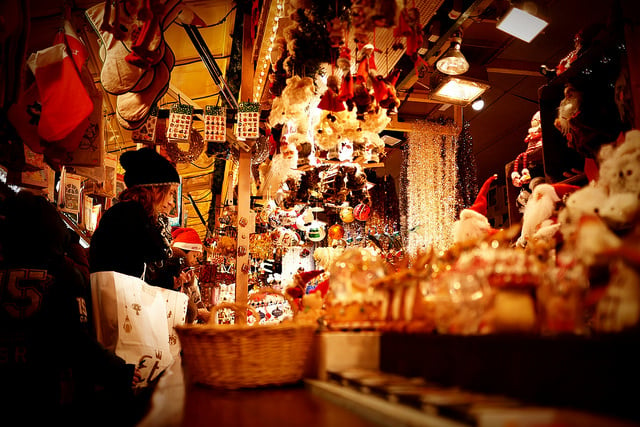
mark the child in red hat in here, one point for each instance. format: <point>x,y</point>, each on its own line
<point>187,244</point>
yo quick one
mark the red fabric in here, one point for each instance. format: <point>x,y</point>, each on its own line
<point>65,102</point>
<point>330,101</point>
<point>346,88</point>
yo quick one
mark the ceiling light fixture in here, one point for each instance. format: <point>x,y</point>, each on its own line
<point>522,22</point>
<point>458,91</point>
<point>453,62</point>
<point>478,104</point>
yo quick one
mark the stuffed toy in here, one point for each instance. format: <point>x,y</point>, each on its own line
<point>619,170</point>
<point>620,211</point>
<point>473,225</point>
<point>619,307</point>
<point>587,200</point>
<point>293,104</point>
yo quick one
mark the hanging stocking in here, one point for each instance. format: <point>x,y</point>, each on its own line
<point>146,46</point>
<point>64,99</point>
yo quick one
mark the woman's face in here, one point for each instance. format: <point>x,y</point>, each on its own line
<point>164,205</point>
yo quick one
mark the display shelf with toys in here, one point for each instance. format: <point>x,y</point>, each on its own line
<point>581,106</point>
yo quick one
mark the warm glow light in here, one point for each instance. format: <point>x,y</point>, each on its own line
<point>521,24</point>
<point>458,91</point>
<point>478,104</point>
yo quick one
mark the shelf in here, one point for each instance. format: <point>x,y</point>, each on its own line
<point>577,372</point>
<point>598,122</point>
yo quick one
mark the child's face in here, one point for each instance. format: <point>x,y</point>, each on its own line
<point>193,258</point>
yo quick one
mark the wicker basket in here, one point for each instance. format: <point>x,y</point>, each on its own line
<point>243,356</point>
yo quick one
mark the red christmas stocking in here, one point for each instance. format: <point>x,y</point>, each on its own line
<point>64,99</point>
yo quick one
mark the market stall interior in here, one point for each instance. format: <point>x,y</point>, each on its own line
<point>343,176</point>
<point>509,66</point>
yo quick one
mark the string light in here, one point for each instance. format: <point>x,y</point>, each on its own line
<point>431,186</point>
<point>274,15</point>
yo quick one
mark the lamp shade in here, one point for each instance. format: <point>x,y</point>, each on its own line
<point>453,62</point>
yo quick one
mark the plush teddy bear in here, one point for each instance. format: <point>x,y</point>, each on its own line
<point>587,200</point>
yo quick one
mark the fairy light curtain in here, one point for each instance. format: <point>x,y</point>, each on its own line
<point>431,172</point>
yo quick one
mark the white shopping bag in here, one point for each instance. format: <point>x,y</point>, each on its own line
<point>135,320</point>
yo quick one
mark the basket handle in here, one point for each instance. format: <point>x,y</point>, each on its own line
<point>269,290</point>
<point>237,308</point>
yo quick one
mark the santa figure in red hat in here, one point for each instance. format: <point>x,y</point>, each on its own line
<point>473,224</point>
<point>539,219</point>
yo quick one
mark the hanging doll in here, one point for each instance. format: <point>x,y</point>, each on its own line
<point>331,100</point>
<point>384,90</point>
<point>409,27</point>
<point>362,99</point>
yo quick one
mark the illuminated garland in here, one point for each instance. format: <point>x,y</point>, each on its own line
<point>431,185</point>
<point>467,185</point>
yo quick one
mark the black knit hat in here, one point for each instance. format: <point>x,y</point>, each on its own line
<point>147,167</point>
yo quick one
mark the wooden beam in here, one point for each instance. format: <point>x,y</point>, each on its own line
<point>399,126</point>
<point>510,66</point>
<point>244,182</point>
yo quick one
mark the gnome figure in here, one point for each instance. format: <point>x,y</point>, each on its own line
<point>473,224</point>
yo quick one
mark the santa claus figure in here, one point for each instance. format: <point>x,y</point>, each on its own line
<point>539,220</point>
<point>473,224</point>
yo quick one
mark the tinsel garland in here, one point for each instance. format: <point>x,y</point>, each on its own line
<point>431,185</point>
<point>467,185</point>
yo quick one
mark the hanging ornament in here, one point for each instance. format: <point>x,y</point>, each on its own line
<point>336,232</point>
<point>304,220</point>
<point>285,237</point>
<point>248,120</point>
<point>215,124</point>
<point>346,214</point>
<point>146,133</point>
<point>196,147</point>
<point>180,120</point>
<point>260,151</point>
<point>362,212</point>
<point>316,231</point>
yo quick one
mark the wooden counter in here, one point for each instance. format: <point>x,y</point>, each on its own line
<point>176,404</point>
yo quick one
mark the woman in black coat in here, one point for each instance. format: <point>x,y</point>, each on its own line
<point>133,237</point>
